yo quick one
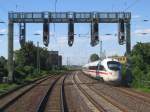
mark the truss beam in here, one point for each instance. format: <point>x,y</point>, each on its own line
<point>63,17</point>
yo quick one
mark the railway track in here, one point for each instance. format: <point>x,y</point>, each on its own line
<point>49,94</point>
<point>13,105</point>
<point>64,107</point>
<point>134,94</point>
<point>2,96</point>
<point>100,103</point>
<point>10,97</point>
<point>109,99</point>
<point>20,87</point>
<point>123,98</point>
<point>91,100</point>
<point>55,91</point>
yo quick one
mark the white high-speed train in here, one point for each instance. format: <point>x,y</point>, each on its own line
<point>109,70</point>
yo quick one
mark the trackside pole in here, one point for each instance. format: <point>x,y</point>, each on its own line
<point>128,38</point>
<point>10,51</point>
<point>128,51</point>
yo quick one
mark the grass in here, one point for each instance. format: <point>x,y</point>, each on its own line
<point>42,74</point>
<point>144,89</point>
<point>5,87</point>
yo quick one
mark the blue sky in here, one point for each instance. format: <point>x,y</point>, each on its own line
<point>81,50</point>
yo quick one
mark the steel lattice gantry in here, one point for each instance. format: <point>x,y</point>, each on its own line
<point>63,17</point>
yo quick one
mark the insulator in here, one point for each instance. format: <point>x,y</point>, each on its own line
<point>121,32</point>
<point>46,32</point>
<point>94,33</point>
<point>70,32</point>
<point>22,34</point>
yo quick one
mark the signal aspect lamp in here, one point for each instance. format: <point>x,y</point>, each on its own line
<point>22,34</point>
<point>70,32</point>
<point>46,32</point>
<point>121,32</point>
<point>94,32</point>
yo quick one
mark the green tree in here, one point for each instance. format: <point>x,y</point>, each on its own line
<point>94,57</point>
<point>3,67</point>
<point>43,58</point>
<point>140,59</point>
<point>26,61</point>
<point>26,55</point>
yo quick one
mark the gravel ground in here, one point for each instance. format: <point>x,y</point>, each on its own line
<point>74,98</point>
<point>54,100</point>
<point>30,101</point>
<point>132,104</point>
<point>106,106</point>
<point>4,100</point>
<point>70,93</point>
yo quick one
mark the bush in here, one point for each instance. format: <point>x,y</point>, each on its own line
<point>28,69</point>
<point>138,77</point>
<point>140,57</point>
<point>19,74</point>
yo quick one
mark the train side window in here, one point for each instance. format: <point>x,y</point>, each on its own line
<point>101,67</point>
<point>93,67</point>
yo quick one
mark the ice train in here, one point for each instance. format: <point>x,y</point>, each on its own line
<point>109,70</point>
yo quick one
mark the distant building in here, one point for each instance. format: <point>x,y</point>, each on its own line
<point>59,60</point>
<point>54,59</point>
<point>121,59</point>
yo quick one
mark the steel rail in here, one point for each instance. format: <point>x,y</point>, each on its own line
<point>42,105</point>
<point>20,95</point>
<point>98,106</point>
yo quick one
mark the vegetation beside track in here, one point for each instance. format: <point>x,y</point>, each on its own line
<point>140,61</point>
<point>5,87</point>
<point>25,67</point>
<point>143,89</point>
<point>140,67</point>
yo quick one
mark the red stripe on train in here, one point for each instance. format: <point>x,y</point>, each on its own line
<point>99,72</point>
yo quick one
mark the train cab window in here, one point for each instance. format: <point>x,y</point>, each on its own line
<point>113,65</point>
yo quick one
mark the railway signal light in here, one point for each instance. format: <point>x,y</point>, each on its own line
<point>94,33</point>
<point>70,32</point>
<point>46,32</point>
<point>121,32</point>
<point>22,34</point>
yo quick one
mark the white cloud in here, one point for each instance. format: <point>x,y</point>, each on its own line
<point>38,32</point>
<point>16,40</point>
<point>41,32</point>
<point>108,37</point>
<point>62,40</point>
<point>3,30</point>
<point>136,16</point>
<point>140,32</point>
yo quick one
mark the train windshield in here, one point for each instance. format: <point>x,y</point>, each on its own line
<point>113,65</point>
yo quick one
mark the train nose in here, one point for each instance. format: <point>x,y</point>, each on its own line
<point>116,76</point>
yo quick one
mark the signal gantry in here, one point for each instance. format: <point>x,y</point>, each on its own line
<point>94,18</point>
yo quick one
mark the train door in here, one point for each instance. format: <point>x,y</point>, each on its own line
<point>97,71</point>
